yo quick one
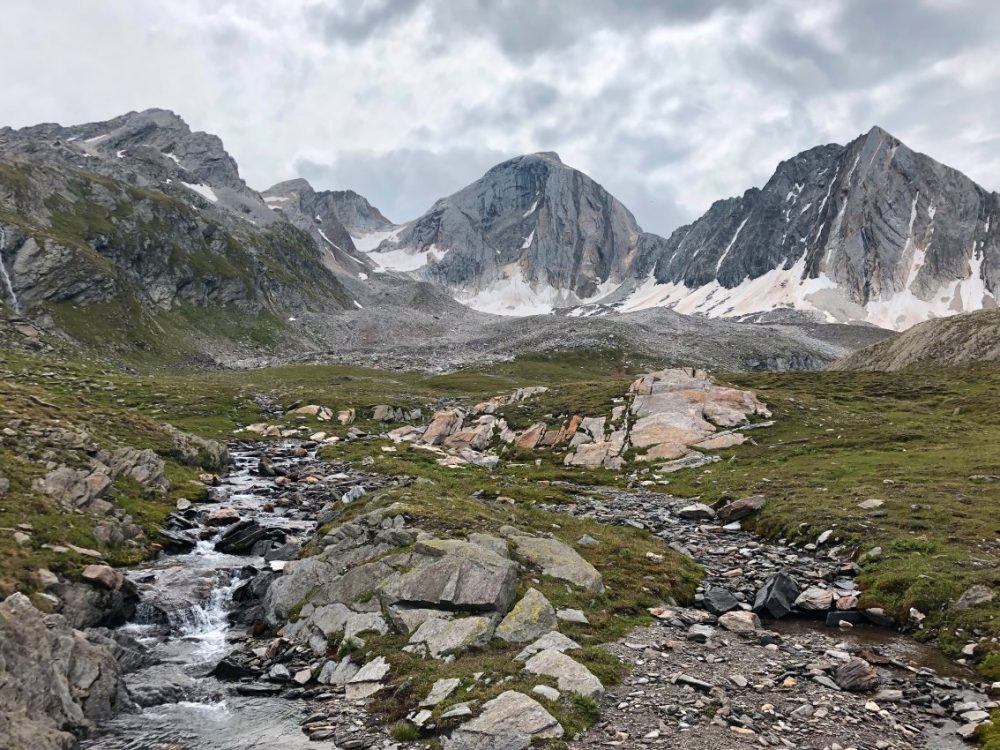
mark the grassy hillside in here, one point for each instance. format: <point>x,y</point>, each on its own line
<point>926,442</point>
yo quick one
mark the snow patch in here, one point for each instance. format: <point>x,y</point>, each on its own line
<point>778,288</point>
<point>98,138</point>
<point>203,190</point>
<point>515,296</point>
<point>120,154</point>
<point>731,243</point>
<point>173,158</point>
<point>531,210</point>
<point>528,240</point>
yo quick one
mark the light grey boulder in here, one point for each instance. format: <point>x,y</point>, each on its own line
<point>551,641</point>
<point>438,637</point>
<point>530,618</point>
<point>511,721</point>
<point>558,560</point>
<point>570,675</point>
<point>473,580</point>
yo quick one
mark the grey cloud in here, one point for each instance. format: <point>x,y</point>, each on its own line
<point>354,22</point>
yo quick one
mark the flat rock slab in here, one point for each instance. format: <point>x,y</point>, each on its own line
<point>476,583</point>
<point>559,560</point>
<point>511,721</point>
<point>570,675</point>
<point>441,637</point>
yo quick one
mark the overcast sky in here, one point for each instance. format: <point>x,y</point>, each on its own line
<point>670,105</point>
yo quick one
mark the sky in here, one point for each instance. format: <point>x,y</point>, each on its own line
<point>670,104</point>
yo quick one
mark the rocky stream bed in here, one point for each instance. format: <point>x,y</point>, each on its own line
<point>711,675</point>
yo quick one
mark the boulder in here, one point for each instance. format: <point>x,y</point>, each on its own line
<point>368,680</point>
<point>104,576</point>
<point>776,597</point>
<point>476,579</point>
<point>742,623</point>
<point>742,508</point>
<point>55,684</point>
<point>974,596</point>
<point>222,517</point>
<point>570,675</point>
<point>553,641</point>
<point>696,512</point>
<point>530,618</point>
<point>439,637</point>
<point>511,721</point>
<point>440,690</point>
<point>558,560</point>
<point>720,442</point>
<point>718,600</point>
<point>856,676</point>
<point>443,424</point>
<point>815,599</point>
<point>531,437</point>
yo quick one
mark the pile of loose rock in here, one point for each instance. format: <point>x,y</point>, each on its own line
<point>379,574</point>
<point>715,674</point>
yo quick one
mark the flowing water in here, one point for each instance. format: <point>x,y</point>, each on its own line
<point>183,708</point>
<point>8,284</point>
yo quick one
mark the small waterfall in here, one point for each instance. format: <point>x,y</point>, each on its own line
<point>8,285</point>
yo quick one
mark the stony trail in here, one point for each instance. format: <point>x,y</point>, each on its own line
<point>707,681</point>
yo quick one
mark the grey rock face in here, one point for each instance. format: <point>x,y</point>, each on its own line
<point>530,218</point>
<point>143,214</point>
<point>316,213</point>
<point>876,231</point>
<point>54,683</point>
<point>356,213</point>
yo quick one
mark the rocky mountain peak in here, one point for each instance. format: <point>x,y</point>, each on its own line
<point>871,231</point>
<point>530,236</point>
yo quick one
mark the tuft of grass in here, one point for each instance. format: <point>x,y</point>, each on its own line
<point>404,731</point>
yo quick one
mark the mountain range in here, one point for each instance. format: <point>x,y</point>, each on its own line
<point>138,234</point>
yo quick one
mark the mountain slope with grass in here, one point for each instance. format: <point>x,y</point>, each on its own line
<point>960,340</point>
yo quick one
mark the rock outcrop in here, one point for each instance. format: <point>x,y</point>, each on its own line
<point>531,235</point>
<point>54,682</point>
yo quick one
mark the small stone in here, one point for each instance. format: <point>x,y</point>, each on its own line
<point>587,541</point>
<point>572,615</point>
<point>303,676</point>
<point>871,504</point>
<point>183,504</point>
<point>696,512</point>
<point>549,693</point>
<point>740,622</point>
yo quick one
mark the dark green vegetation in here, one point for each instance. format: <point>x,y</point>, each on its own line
<point>926,442</point>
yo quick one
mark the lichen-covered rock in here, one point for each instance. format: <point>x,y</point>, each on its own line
<point>530,618</point>
<point>439,637</point>
<point>570,675</point>
<point>558,560</point>
<point>511,721</point>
